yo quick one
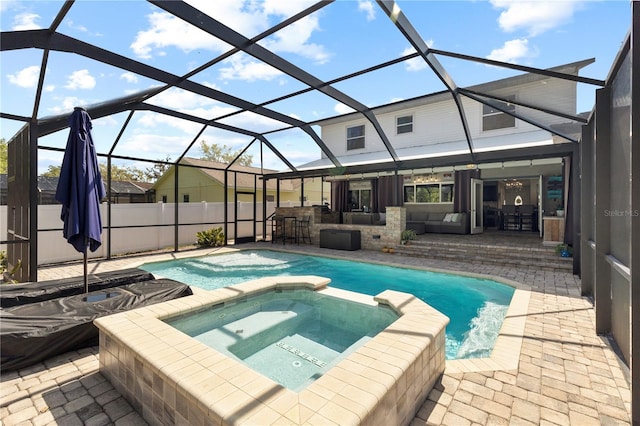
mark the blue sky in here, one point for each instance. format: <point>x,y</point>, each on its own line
<point>344,37</point>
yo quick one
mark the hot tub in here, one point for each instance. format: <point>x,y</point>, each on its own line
<point>291,336</point>
<point>375,378</point>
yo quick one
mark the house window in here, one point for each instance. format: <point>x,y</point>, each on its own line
<point>185,198</point>
<point>437,192</point>
<point>404,124</point>
<point>493,119</point>
<point>360,195</point>
<point>429,193</point>
<point>271,198</point>
<point>164,198</point>
<point>355,137</point>
<point>409,194</point>
<point>446,193</point>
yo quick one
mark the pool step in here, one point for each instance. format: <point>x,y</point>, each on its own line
<point>542,257</point>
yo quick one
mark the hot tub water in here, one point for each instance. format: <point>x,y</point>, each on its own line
<point>291,336</point>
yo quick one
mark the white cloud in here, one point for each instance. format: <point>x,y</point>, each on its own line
<point>27,77</point>
<point>129,77</point>
<point>168,31</point>
<point>415,64</point>
<point>26,21</point>
<point>535,17</point>
<point>80,79</point>
<point>156,121</point>
<point>107,121</point>
<point>158,144</point>
<point>513,51</point>
<point>284,8</point>
<point>181,100</point>
<point>246,17</point>
<point>7,4</point>
<point>243,67</point>
<point>368,7</point>
<point>49,88</point>
<point>67,105</point>
<point>295,39</point>
<point>77,27</point>
<point>341,108</point>
<point>206,110</point>
<point>253,122</point>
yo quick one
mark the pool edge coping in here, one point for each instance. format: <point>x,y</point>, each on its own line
<point>388,357</point>
<point>507,348</point>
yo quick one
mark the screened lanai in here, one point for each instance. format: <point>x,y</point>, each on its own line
<point>275,99</point>
<point>278,123</point>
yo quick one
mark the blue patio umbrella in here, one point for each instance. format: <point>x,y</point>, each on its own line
<point>80,188</point>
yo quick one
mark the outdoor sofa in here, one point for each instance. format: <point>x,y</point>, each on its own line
<point>444,223</point>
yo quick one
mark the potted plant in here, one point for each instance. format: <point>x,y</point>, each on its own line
<point>564,250</point>
<point>407,235</point>
<point>560,210</point>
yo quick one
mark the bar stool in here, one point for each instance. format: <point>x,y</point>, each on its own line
<point>277,229</point>
<point>304,226</point>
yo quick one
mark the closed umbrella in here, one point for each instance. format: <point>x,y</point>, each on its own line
<point>80,188</point>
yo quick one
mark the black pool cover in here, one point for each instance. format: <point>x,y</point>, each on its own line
<point>23,293</point>
<point>33,332</point>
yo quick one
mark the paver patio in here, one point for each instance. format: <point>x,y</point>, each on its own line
<point>566,375</point>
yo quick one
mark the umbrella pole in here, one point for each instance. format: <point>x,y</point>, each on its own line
<point>86,278</point>
<point>86,275</point>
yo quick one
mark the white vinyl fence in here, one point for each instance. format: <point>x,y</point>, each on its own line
<point>135,227</point>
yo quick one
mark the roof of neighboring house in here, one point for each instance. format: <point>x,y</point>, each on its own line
<point>50,184</point>
<point>125,187</point>
<point>245,179</point>
<point>145,186</point>
<point>47,183</point>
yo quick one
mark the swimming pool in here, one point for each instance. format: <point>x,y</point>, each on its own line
<point>476,307</point>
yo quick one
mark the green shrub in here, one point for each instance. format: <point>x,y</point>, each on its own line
<point>407,235</point>
<point>212,238</point>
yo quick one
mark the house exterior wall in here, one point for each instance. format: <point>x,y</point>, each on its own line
<point>192,182</point>
<point>201,187</point>
<point>439,122</point>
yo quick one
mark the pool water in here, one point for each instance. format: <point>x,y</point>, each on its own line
<point>292,336</point>
<point>476,307</point>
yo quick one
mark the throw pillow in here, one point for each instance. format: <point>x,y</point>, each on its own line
<point>455,217</point>
<point>447,217</point>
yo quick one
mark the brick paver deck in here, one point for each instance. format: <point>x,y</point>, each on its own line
<point>566,374</point>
